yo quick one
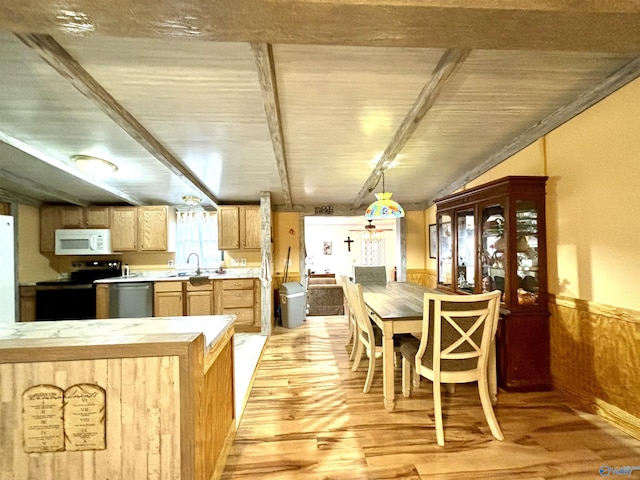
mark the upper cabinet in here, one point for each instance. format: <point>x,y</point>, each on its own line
<point>493,237</point>
<point>56,217</point>
<point>239,227</point>
<point>133,229</point>
<point>142,229</point>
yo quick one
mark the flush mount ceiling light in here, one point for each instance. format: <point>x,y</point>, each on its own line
<point>383,207</point>
<point>93,165</point>
<point>191,200</point>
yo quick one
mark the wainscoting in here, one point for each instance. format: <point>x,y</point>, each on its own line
<point>595,358</point>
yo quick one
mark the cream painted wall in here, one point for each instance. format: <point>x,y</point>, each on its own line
<point>286,233</point>
<point>32,266</point>
<point>416,240</point>
<point>594,202</point>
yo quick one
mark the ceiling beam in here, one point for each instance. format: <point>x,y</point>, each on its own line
<point>9,196</point>
<point>608,26</point>
<point>58,58</point>
<point>606,87</point>
<point>68,169</point>
<point>263,54</point>
<point>447,66</point>
<point>26,184</point>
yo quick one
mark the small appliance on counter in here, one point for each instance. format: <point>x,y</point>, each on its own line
<point>74,298</point>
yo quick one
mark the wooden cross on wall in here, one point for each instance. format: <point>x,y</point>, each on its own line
<point>348,241</point>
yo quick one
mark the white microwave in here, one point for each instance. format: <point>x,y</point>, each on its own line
<point>95,241</point>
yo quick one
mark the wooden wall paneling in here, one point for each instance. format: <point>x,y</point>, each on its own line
<point>595,357</point>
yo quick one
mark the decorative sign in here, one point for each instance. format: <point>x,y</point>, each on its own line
<point>42,419</point>
<point>55,420</point>
<point>84,417</point>
<point>324,210</point>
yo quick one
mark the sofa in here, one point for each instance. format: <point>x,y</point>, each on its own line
<point>324,295</point>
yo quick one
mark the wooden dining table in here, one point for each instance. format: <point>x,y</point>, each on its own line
<point>397,307</point>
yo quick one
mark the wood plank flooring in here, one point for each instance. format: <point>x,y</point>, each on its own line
<point>307,418</point>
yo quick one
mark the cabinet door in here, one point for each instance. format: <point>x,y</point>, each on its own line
<point>49,222</point>
<point>152,235</point>
<point>124,229</point>
<point>445,251</point>
<point>228,228</point>
<point>251,224</point>
<point>493,237</point>
<point>465,265</point>
<point>27,303</point>
<point>200,303</point>
<point>71,217</point>
<point>97,217</point>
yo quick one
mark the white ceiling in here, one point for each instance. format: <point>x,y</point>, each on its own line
<point>307,100</point>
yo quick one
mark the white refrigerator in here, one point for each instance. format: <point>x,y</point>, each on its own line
<point>7,271</point>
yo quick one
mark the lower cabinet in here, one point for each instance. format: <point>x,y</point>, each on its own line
<point>199,299</point>
<point>27,303</point>
<point>168,299</point>
<point>239,297</point>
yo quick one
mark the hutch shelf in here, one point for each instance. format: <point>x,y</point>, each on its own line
<point>493,236</point>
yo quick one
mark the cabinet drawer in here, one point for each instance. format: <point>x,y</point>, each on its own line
<point>167,286</point>
<point>244,316</point>
<point>237,298</point>
<point>238,284</point>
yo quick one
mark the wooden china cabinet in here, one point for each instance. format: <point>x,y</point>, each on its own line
<point>493,236</point>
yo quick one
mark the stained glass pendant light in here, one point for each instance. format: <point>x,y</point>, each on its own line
<point>384,207</point>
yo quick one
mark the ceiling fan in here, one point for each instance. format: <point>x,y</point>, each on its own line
<point>371,229</point>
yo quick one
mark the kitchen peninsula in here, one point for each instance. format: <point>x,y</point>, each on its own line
<point>158,393</point>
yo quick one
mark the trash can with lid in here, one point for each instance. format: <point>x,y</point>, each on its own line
<point>292,304</point>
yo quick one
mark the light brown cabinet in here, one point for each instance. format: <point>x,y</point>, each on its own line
<point>181,298</point>
<point>55,217</point>
<point>168,299</point>
<point>141,229</point>
<point>239,227</point>
<point>199,299</point>
<point>240,297</point>
<point>27,303</point>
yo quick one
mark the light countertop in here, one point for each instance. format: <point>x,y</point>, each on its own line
<point>179,276</point>
<point>99,333</point>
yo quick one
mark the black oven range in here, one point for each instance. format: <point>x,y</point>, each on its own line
<point>74,298</point>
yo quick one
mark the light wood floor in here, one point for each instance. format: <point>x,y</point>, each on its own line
<point>307,418</point>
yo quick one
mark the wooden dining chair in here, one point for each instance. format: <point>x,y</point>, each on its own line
<point>369,335</point>
<point>457,333</point>
<point>352,339</point>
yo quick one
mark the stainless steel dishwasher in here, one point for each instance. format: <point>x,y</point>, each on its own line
<point>131,300</point>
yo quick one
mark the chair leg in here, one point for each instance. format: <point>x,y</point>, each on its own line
<point>350,337</point>
<point>437,407</point>
<point>372,369</point>
<point>356,342</point>
<point>358,356</point>
<point>406,377</point>
<point>451,388</point>
<point>485,399</point>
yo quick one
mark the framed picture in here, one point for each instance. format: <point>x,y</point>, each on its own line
<point>433,241</point>
<point>326,248</point>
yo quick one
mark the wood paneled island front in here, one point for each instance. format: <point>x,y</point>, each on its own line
<point>158,398</point>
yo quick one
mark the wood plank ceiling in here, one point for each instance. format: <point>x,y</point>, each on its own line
<point>309,100</point>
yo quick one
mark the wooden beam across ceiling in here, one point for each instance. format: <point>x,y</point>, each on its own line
<point>447,66</point>
<point>26,184</point>
<point>587,25</point>
<point>58,58</point>
<point>267,74</point>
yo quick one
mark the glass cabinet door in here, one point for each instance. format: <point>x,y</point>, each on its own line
<point>445,265</point>
<point>527,252</point>
<point>465,266</point>
<point>492,249</point>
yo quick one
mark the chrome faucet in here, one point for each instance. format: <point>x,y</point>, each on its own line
<point>198,271</point>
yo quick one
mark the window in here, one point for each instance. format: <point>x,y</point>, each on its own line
<point>197,232</point>
<point>373,251</point>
